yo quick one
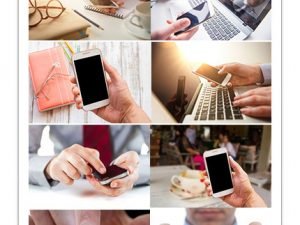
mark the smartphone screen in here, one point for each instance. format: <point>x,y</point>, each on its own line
<point>219,172</point>
<point>180,91</point>
<point>111,172</point>
<point>211,73</point>
<point>91,79</point>
<point>197,15</point>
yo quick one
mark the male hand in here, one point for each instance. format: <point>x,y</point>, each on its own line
<point>173,27</point>
<point>129,161</point>
<point>122,107</point>
<point>241,74</point>
<point>256,102</point>
<point>72,162</point>
<point>243,193</point>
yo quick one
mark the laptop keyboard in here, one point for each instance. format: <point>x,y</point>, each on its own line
<point>220,28</point>
<point>216,104</point>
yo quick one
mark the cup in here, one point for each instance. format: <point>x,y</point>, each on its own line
<point>141,16</point>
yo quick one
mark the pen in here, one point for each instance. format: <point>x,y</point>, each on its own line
<point>66,53</point>
<point>69,47</point>
<point>92,22</point>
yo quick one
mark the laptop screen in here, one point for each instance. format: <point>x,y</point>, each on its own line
<point>172,79</point>
<point>251,12</point>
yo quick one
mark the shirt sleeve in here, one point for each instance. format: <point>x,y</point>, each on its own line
<point>267,73</point>
<point>37,164</point>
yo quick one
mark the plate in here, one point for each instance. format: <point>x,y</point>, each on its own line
<point>136,31</point>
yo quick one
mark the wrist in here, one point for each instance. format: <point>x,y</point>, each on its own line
<point>254,200</point>
<point>134,114</point>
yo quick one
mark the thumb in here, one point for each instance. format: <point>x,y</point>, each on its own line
<point>176,26</point>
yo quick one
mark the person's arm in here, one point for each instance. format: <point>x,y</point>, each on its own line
<point>37,164</point>
<point>267,74</point>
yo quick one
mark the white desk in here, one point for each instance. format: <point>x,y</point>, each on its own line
<point>114,28</point>
<point>81,195</point>
<point>161,11</point>
<point>162,197</point>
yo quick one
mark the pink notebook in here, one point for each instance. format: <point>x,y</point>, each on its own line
<point>50,78</point>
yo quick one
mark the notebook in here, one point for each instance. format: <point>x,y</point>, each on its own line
<point>121,13</point>
<point>69,26</point>
<point>50,80</point>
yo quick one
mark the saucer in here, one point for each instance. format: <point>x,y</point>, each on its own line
<point>136,31</point>
<point>185,195</point>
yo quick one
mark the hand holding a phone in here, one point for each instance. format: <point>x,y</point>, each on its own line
<point>122,107</point>
<point>168,33</point>
<point>241,74</point>
<point>243,193</point>
<point>72,162</point>
<point>129,161</point>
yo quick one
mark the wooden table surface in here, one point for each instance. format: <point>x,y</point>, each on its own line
<point>131,59</point>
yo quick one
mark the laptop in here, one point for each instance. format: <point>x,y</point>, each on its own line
<point>189,98</point>
<point>233,19</point>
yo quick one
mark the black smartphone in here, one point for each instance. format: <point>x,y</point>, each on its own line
<point>90,75</point>
<point>113,172</point>
<point>197,15</point>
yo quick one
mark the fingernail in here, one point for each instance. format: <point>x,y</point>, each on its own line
<point>114,185</point>
<point>102,170</point>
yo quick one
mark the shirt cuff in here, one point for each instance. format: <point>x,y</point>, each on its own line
<point>267,74</point>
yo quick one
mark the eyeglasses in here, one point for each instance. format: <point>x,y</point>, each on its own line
<point>53,9</point>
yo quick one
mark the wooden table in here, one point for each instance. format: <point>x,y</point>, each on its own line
<point>131,59</point>
<point>162,197</point>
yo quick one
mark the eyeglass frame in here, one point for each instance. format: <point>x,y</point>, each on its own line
<point>37,9</point>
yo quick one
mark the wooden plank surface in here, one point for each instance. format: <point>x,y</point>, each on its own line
<point>131,59</point>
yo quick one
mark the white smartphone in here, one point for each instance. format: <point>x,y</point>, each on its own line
<point>219,171</point>
<point>211,73</point>
<point>91,80</point>
<point>197,15</point>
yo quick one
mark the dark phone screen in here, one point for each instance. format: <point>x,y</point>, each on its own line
<point>211,73</point>
<point>111,171</point>
<point>197,15</point>
<point>90,75</point>
<point>219,173</point>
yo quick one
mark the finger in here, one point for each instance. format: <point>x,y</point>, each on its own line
<point>112,72</point>
<point>235,166</point>
<point>79,106</point>
<point>63,177</point>
<point>213,84</point>
<point>63,217</point>
<point>228,68</point>
<point>75,90</point>
<point>41,217</point>
<point>78,100</point>
<point>73,80</point>
<point>126,182</point>
<point>92,157</point>
<point>87,217</point>
<point>106,190</point>
<point>253,100</point>
<point>259,111</point>
<point>169,21</point>
<point>174,27</point>
<point>256,91</point>
<point>255,223</point>
<point>71,171</point>
<point>80,164</point>
<point>187,35</point>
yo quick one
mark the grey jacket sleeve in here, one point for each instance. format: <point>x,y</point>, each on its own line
<point>267,73</point>
<point>37,163</point>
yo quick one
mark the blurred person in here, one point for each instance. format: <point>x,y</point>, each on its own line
<point>191,134</point>
<point>225,143</point>
<point>77,148</point>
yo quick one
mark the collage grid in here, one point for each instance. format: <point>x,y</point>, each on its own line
<point>149,112</point>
